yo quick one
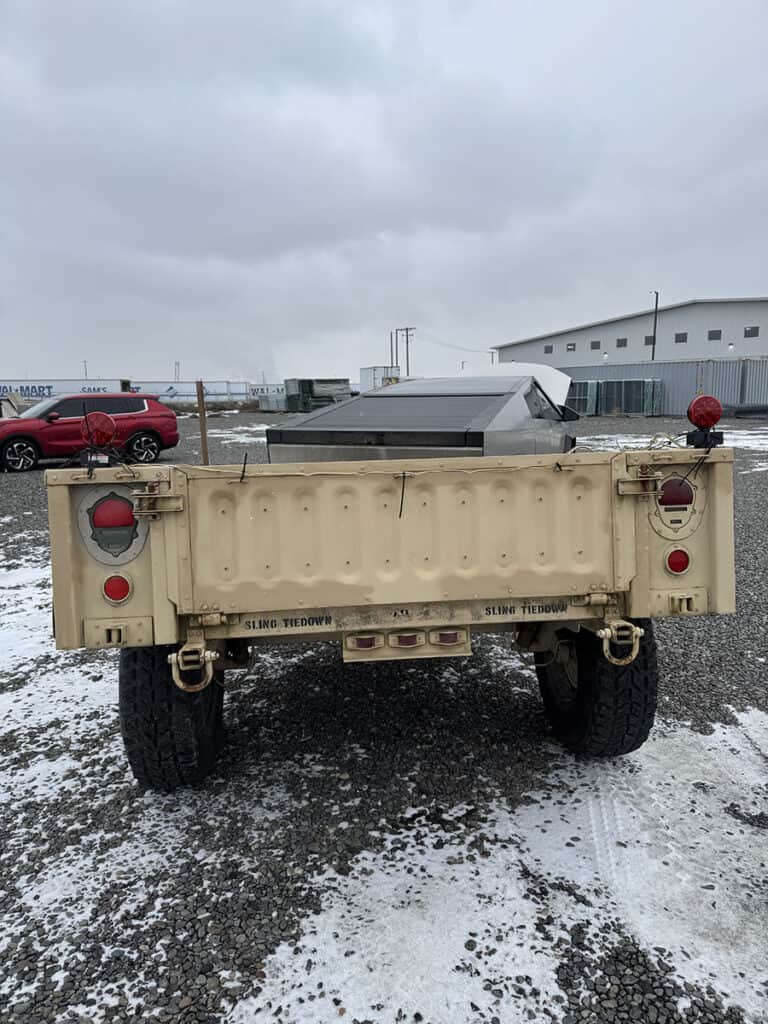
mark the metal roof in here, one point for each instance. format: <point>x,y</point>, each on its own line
<point>627,316</point>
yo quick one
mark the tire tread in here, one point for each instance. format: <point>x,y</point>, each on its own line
<point>171,737</point>
<point>617,705</point>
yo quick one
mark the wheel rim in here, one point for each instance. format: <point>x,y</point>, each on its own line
<point>20,455</point>
<point>145,448</point>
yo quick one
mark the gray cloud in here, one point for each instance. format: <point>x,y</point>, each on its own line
<point>246,186</point>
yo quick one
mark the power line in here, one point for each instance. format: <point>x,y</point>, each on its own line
<point>448,344</point>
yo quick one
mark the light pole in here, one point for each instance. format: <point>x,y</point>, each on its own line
<point>655,321</point>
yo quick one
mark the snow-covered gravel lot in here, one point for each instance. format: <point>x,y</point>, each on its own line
<point>381,843</point>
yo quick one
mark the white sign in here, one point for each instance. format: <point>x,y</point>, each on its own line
<point>170,390</point>
<point>42,387</point>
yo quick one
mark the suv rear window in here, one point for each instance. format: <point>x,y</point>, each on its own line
<point>118,404</point>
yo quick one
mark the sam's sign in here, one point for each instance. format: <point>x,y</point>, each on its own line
<point>46,388</point>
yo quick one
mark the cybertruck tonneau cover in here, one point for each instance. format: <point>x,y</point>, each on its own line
<point>456,416</point>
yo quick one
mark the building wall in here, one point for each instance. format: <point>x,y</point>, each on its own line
<point>736,382</point>
<point>731,318</point>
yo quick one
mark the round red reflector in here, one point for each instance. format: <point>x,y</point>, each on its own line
<point>113,511</point>
<point>678,560</point>
<point>98,429</point>
<point>705,411</point>
<point>116,588</point>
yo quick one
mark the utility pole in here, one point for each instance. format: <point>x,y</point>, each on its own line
<point>391,349</point>
<point>655,321</point>
<point>85,369</point>
<point>408,331</point>
<point>397,355</point>
<point>177,370</point>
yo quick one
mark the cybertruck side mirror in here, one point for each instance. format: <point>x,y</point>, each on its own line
<point>568,414</point>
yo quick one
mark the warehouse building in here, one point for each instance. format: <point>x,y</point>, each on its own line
<point>697,329</point>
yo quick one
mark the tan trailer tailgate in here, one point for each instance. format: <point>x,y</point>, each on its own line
<point>293,536</point>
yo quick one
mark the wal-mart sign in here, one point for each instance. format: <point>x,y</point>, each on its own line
<point>182,391</point>
<point>42,388</point>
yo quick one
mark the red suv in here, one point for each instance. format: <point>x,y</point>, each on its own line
<point>52,429</point>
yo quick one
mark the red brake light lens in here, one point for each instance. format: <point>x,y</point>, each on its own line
<point>113,511</point>
<point>678,560</point>
<point>705,411</point>
<point>449,637</point>
<point>365,643</point>
<point>116,588</point>
<point>406,639</point>
<point>676,492</point>
<point>98,429</point>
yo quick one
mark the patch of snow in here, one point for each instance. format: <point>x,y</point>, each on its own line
<point>253,433</point>
<point>745,440</point>
<point>401,935</point>
<point>644,838</point>
<point>755,440</point>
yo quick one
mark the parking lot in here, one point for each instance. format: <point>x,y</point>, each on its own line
<point>387,843</point>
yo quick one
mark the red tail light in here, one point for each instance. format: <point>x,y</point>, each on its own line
<point>98,428</point>
<point>705,411</point>
<point>407,639</point>
<point>112,511</point>
<point>117,589</point>
<point>448,637</point>
<point>676,492</point>
<point>113,524</point>
<point>678,561</point>
<point>365,641</point>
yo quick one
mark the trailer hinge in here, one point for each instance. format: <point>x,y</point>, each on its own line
<point>646,482</point>
<point>151,502</point>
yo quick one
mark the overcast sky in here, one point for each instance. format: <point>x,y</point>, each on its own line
<point>248,186</point>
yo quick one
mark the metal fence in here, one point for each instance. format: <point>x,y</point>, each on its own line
<point>740,384</point>
<point>635,397</point>
<point>582,397</point>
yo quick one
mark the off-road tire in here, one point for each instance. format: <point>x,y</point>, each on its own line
<point>19,455</point>
<point>144,447</point>
<point>171,737</point>
<point>611,709</point>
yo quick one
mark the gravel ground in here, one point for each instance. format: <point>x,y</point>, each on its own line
<point>386,842</point>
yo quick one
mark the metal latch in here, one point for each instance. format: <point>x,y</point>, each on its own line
<point>151,502</point>
<point>646,482</point>
<point>193,657</point>
<point>623,634</point>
